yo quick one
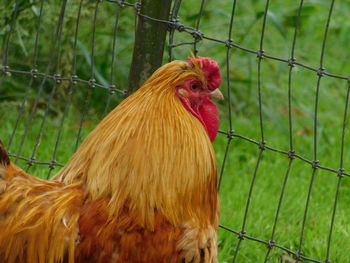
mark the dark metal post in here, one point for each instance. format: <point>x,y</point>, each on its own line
<point>149,41</point>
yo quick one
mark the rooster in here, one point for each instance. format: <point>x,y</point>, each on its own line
<point>142,187</point>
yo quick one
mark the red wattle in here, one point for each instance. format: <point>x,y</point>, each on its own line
<point>209,114</point>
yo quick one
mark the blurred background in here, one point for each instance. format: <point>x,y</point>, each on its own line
<point>262,192</point>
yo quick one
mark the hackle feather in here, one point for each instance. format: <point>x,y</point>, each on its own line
<point>169,146</point>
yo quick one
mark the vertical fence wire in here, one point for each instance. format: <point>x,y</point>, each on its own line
<point>290,124</point>
<point>174,19</point>
<point>72,85</point>
<point>262,143</point>
<point>111,88</point>
<point>315,162</point>
<point>33,76</point>
<point>247,206</point>
<point>272,238</point>
<point>228,49</point>
<point>340,176</point>
<point>91,80</point>
<point>196,32</point>
<point>56,82</point>
<point>9,35</point>
<point>31,160</point>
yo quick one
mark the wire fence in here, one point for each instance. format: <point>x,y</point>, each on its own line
<point>38,80</point>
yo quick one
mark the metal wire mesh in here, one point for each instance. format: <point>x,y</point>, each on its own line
<point>51,74</point>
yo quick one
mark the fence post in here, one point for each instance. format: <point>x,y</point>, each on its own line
<point>149,41</point>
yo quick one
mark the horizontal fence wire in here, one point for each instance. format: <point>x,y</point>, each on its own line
<point>175,25</point>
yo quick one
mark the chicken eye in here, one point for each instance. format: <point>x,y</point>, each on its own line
<point>194,86</point>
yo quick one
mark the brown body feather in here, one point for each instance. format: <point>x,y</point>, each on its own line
<point>141,187</point>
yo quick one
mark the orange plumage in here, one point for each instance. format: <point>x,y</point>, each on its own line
<point>140,188</point>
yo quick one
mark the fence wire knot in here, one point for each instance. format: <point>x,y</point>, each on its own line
<point>320,71</point>
<point>315,164</point>
<point>291,62</point>
<point>230,134</point>
<point>299,255</point>
<point>34,73</point>
<point>57,78</point>
<point>74,79</point>
<point>121,3</point>
<point>260,54</point>
<point>229,43</point>
<point>198,35</point>
<point>125,92</point>
<point>241,235</point>
<point>52,164</point>
<point>6,70</point>
<point>92,83</point>
<point>179,27</point>
<point>137,7</point>
<point>30,161</point>
<point>111,89</point>
<point>291,154</point>
<point>271,244</point>
<point>262,145</point>
<point>176,25</point>
<point>340,172</point>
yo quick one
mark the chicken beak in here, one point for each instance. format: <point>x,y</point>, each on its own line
<point>216,94</point>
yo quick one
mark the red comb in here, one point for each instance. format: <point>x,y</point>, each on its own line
<point>210,69</point>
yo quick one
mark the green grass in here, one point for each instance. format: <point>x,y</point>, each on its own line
<point>243,76</point>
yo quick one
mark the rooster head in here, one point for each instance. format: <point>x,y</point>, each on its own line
<point>196,93</point>
<point>195,83</point>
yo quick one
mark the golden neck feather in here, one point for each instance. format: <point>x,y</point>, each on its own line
<point>150,154</point>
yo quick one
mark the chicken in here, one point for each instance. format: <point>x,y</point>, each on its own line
<point>142,187</point>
